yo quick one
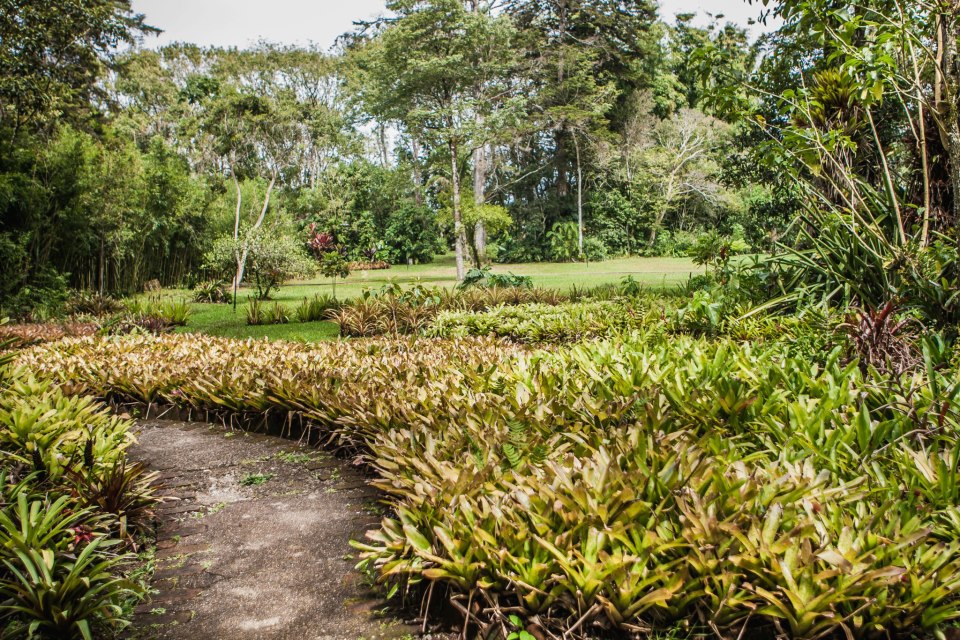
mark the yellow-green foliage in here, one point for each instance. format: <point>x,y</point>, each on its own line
<point>68,501</point>
<point>548,323</point>
<point>624,484</point>
<point>49,431</point>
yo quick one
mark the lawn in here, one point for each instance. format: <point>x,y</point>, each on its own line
<point>221,320</point>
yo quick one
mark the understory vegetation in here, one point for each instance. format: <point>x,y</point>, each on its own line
<point>72,513</point>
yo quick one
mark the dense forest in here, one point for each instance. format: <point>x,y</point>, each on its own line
<point>515,131</point>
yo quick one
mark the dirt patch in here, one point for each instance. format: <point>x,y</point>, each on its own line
<point>255,541</point>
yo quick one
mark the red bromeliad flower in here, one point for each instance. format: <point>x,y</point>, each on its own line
<point>82,534</point>
<point>319,242</point>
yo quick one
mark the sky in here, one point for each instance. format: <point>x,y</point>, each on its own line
<point>241,23</point>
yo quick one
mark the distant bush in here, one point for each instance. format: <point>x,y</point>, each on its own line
<point>273,258</point>
<point>484,277</point>
<point>397,311</point>
<point>375,265</point>
<point>594,250</point>
<point>564,242</point>
<point>37,299</point>
<point>212,291</point>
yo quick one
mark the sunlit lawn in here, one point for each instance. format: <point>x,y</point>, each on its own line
<point>221,320</point>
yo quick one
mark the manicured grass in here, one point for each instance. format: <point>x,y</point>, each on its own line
<point>220,320</point>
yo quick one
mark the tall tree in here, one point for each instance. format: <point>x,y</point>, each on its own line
<point>53,53</point>
<point>421,68</point>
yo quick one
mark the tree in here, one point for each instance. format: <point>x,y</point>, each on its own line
<point>52,54</point>
<point>334,265</point>
<point>900,61</point>
<point>583,59</point>
<point>274,257</point>
<point>421,69</point>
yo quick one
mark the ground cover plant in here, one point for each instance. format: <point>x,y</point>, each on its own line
<point>630,485</point>
<point>71,513</point>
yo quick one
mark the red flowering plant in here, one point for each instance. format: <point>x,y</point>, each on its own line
<point>319,242</point>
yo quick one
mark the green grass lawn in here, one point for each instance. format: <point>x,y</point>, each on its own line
<point>218,319</point>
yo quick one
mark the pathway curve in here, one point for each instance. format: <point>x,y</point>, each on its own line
<point>255,543</point>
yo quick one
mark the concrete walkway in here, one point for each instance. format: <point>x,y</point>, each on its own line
<point>255,543</point>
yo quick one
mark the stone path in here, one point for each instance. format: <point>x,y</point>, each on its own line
<point>255,544</point>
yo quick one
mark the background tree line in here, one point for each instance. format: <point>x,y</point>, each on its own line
<point>522,130</point>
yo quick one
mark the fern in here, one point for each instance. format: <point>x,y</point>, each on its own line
<point>515,447</point>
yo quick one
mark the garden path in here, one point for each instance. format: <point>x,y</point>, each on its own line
<point>254,543</point>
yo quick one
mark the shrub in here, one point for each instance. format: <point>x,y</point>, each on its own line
<point>37,299</point>
<point>395,311</point>
<point>174,312</point>
<point>334,265</point>
<point>594,250</point>
<point>256,314</point>
<point>564,242</point>
<point>92,304</point>
<point>412,234</point>
<point>315,309</point>
<point>484,277</point>
<point>375,265</point>
<point>67,499</point>
<point>212,291</point>
<point>273,257</point>
<point>277,314</point>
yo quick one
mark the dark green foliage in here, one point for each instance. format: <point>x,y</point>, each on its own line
<point>485,278</point>
<point>411,234</point>
<point>213,291</point>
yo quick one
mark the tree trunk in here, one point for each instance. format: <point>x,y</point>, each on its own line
<point>560,158</point>
<point>242,263</point>
<point>236,236</point>
<point>102,261</point>
<point>384,155</point>
<point>948,111</point>
<point>417,178</point>
<point>460,235</point>
<point>481,171</point>
<point>576,146</point>
<point>236,217</point>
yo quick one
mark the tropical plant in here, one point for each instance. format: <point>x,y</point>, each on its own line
<point>256,313</point>
<point>484,277</point>
<point>625,484</point>
<point>212,291</point>
<point>334,265</point>
<point>564,242</point>
<point>315,309</point>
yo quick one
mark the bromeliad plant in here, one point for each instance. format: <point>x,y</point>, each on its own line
<point>628,485</point>
<point>67,499</point>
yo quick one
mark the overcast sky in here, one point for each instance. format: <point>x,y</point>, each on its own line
<point>243,22</point>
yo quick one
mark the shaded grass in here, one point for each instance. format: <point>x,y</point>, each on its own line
<point>221,320</point>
